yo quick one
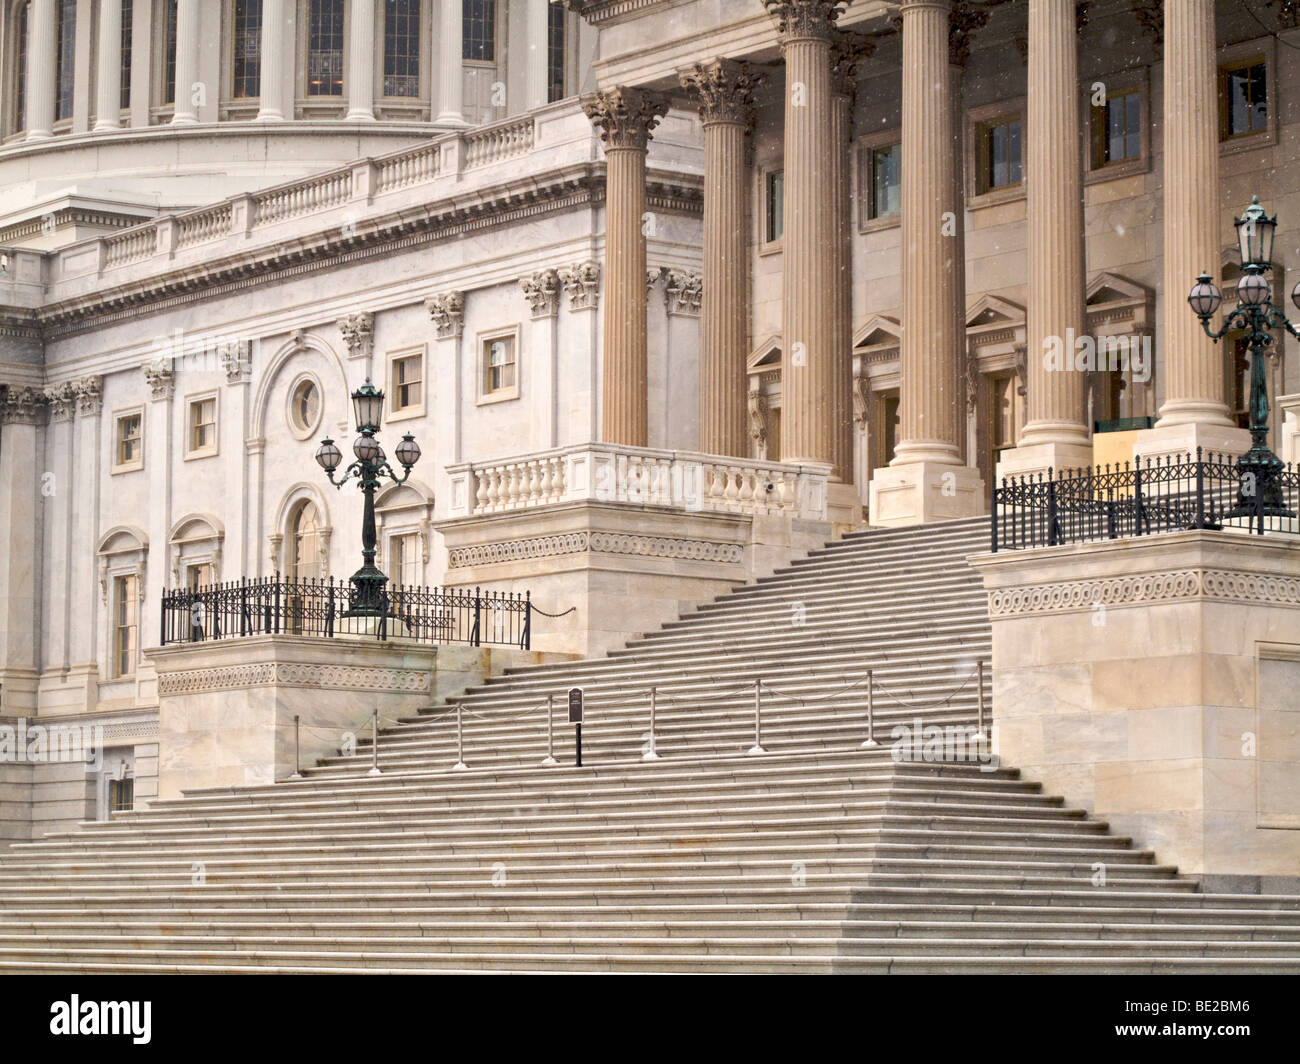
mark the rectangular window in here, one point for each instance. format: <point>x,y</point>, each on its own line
<point>774,210</point>
<point>479,30</point>
<point>203,426</point>
<point>555,52</point>
<point>1243,98</point>
<point>246,72</point>
<point>325,48</point>
<point>125,83</point>
<point>169,54</point>
<point>886,186</point>
<point>20,89</point>
<point>65,58</point>
<point>499,365</point>
<point>121,796</point>
<point>1000,150</point>
<point>404,565</point>
<point>1117,129</point>
<point>402,48</point>
<point>125,595</point>
<point>128,444</point>
<point>408,392</point>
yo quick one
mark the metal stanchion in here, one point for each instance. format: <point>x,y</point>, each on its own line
<point>460,741</point>
<point>297,761</point>
<point>979,734</point>
<point>549,759</point>
<point>374,743</point>
<point>651,754</point>
<point>757,748</point>
<point>871,711</point>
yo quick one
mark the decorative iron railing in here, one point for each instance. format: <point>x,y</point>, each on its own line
<point>1142,498</point>
<point>324,608</point>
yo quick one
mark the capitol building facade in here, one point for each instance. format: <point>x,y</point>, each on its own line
<point>667,290</point>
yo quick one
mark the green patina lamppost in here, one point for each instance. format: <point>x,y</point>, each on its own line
<point>370,469</point>
<point>1259,492</point>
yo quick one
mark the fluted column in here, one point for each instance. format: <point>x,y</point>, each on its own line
<point>108,88</point>
<point>538,31</point>
<point>41,67</point>
<point>271,101</point>
<point>809,256</point>
<point>927,479</point>
<point>1194,377</point>
<point>361,62</point>
<point>724,89</point>
<point>626,118</point>
<point>451,74</point>
<point>930,345</point>
<point>1055,435</point>
<point>187,62</point>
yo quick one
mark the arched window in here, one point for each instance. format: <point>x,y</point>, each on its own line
<point>246,44</point>
<point>304,543</point>
<point>20,66</point>
<point>325,48</point>
<point>402,48</point>
<point>65,58</point>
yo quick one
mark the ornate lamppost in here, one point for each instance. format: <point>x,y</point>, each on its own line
<point>1259,491</point>
<point>370,468</point>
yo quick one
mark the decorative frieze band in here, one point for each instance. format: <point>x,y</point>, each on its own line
<point>1224,585</point>
<point>291,674</point>
<point>595,543</point>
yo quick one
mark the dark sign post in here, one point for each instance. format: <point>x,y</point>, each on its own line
<point>575,718</point>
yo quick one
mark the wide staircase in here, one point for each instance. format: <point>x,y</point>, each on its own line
<point>817,854</point>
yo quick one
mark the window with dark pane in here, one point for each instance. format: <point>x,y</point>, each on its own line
<point>65,58</point>
<point>169,54</point>
<point>555,53</point>
<point>402,48</point>
<point>121,795</point>
<point>246,75</point>
<point>775,207</point>
<point>20,88</point>
<point>1117,128</point>
<point>1243,92</point>
<point>886,190</point>
<point>479,30</point>
<point>125,82</point>
<point>325,48</point>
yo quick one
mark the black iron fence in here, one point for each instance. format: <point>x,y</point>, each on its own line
<point>324,608</point>
<point>1142,498</point>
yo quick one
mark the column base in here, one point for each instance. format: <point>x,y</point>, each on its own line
<point>269,116</point>
<point>921,492</point>
<point>1033,458</point>
<point>1179,440</point>
<point>359,116</point>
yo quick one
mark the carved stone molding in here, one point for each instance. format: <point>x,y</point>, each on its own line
<point>626,543</point>
<point>358,333</point>
<point>848,50</point>
<point>652,275</point>
<point>22,406</point>
<point>237,361</point>
<point>861,399</point>
<point>683,291</point>
<point>964,19</point>
<point>626,117</point>
<point>757,406</point>
<point>90,395</point>
<point>447,311</point>
<point>1151,17</point>
<point>972,383</point>
<point>1223,585</point>
<point>805,19</point>
<point>724,89</point>
<point>62,401</point>
<point>292,674</point>
<point>161,377</point>
<point>542,290</point>
<point>582,285</point>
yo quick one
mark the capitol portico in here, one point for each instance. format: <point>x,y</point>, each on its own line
<point>671,291</point>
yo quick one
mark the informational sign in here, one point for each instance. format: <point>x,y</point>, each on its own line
<point>575,705</point>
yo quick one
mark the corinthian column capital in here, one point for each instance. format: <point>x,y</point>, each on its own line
<point>804,19</point>
<point>626,117</point>
<point>725,89</point>
<point>963,20</point>
<point>848,50</point>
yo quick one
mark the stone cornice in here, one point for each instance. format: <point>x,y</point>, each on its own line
<point>573,188</point>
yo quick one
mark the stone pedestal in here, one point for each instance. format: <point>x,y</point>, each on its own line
<point>919,492</point>
<point>1153,681</point>
<point>226,708</point>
